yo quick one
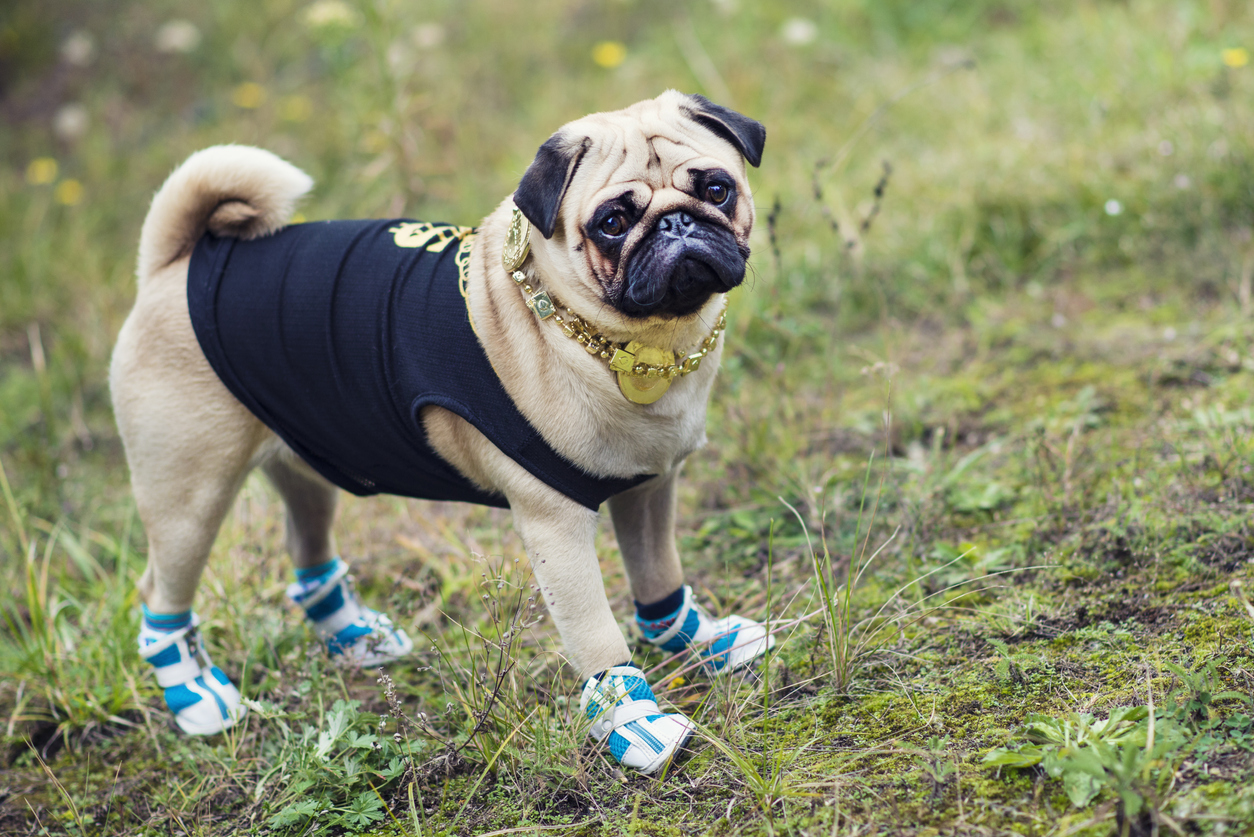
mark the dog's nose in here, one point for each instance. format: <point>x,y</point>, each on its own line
<point>676,224</point>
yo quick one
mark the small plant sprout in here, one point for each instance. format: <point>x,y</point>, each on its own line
<point>1012,665</point>
<point>1193,703</point>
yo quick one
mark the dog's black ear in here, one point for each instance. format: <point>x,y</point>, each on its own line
<point>540,193</point>
<point>748,135</point>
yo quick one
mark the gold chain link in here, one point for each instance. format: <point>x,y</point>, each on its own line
<point>600,346</point>
<point>594,343</point>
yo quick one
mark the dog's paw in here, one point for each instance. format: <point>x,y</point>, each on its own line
<point>723,645</point>
<point>350,629</point>
<point>204,701</point>
<point>625,716</point>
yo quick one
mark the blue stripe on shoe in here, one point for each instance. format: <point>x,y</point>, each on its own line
<point>166,657</point>
<point>719,649</point>
<point>618,745</point>
<point>645,735</point>
<point>339,643</point>
<point>180,697</point>
<point>684,638</point>
<point>333,602</point>
<point>219,676</point>
<point>226,713</point>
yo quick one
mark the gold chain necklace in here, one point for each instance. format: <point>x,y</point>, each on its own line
<point>644,372</point>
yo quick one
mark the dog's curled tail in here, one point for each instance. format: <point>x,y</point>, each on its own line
<point>229,190</point>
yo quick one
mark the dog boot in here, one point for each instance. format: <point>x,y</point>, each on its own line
<point>349,628</point>
<point>726,644</point>
<point>624,713</point>
<point>201,697</point>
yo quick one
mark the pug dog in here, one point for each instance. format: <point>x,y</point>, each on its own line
<point>555,358</point>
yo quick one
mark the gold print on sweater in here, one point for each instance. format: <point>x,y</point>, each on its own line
<point>435,238</point>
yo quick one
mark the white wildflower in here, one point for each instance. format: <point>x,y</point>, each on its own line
<point>427,35</point>
<point>79,49</point>
<point>799,31</point>
<point>329,13</point>
<point>70,122</point>
<point>177,37</point>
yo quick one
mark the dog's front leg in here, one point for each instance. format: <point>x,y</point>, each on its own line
<point>666,612</point>
<point>616,698</point>
<point>559,537</point>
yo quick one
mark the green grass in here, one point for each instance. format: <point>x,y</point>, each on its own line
<point>1017,411</point>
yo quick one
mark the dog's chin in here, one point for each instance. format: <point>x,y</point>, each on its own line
<point>672,279</point>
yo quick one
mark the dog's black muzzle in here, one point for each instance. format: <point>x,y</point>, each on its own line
<point>683,261</point>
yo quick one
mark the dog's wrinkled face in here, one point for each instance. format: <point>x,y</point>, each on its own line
<point>648,205</point>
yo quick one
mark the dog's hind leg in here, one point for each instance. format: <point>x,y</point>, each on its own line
<point>323,587</point>
<point>310,502</point>
<point>189,445</point>
<point>666,612</point>
<point>644,524</point>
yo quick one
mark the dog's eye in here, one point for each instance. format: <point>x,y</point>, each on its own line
<point>716,193</point>
<point>615,225</point>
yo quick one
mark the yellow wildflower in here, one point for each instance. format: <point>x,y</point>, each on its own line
<point>1236,57</point>
<point>41,171</point>
<point>248,95</point>
<point>609,54</point>
<point>68,192</point>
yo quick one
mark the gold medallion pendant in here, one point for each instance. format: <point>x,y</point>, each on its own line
<point>641,389</point>
<point>517,242</point>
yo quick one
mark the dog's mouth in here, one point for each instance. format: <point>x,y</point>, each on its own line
<point>675,270</point>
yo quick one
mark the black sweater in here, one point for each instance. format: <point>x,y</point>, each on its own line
<point>336,333</point>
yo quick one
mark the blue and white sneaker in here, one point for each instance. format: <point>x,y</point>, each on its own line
<point>349,628</point>
<point>723,645</point>
<point>201,697</point>
<point>624,713</point>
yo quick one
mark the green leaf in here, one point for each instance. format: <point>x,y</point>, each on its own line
<point>1080,787</point>
<point>295,814</point>
<point>396,768</point>
<point>1132,802</point>
<point>365,809</point>
<point>1045,730</point>
<point>1027,756</point>
<point>362,741</point>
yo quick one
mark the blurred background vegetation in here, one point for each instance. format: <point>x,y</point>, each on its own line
<point>1088,155</point>
<point>1050,299</point>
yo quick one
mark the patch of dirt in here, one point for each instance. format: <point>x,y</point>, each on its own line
<point>964,432</point>
<point>1228,552</point>
<point>1154,617</point>
<point>565,803</point>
